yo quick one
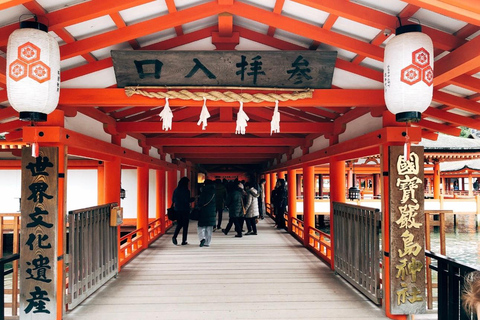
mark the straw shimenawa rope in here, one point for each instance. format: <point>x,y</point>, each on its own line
<point>227,96</point>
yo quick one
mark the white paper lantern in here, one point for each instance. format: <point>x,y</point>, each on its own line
<point>33,71</point>
<point>408,73</point>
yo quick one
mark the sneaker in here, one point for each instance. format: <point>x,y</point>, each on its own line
<point>224,231</point>
<point>248,233</point>
<point>202,243</point>
<point>174,240</point>
<point>238,236</point>
<point>253,233</point>
<point>184,243</point>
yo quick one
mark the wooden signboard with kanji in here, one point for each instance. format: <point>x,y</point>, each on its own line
<point>407,231</point>
<point>273,69</point>
<point>38,240</point>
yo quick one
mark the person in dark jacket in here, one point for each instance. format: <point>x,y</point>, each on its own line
<point>181,202</point>
<point>236,210</point>
<point>279,201</point>
<point>206,220</point>
<point>220,197</point>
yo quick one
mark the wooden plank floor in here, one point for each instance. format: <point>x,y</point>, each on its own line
<point>268,276</point>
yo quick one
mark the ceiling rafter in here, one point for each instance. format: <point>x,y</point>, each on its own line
<point>5,4</point>
<point>462,10</point>
<point>163,45</point>
<point>379,20</point>
<point>278,10</point>
<point>139,29</point>
<point>438,127</point>
<point>307,30</point>
<point>75,14</point>
<point>454,64</point>
<point>120,23</point>
<point>450,117</point>
<point>236,141</point>
<point>171,9</point>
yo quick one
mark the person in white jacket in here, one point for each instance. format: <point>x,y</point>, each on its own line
<point>251,209</point>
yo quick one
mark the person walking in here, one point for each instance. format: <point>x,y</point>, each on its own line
<point>206,220</point>
<point>251,209</point>
<point>236,210</point>
<point>279,201</point>
<point>220,197</point>
<point>181,202</point>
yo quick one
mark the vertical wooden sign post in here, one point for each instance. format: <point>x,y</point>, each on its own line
<point>38,241</point>
<point>407,231</point>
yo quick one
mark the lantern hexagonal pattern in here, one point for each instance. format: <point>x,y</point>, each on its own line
<point>33,77</point>
<point>408,73</point>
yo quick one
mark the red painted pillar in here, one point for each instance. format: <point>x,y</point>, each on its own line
<point>113,172</point>
<point>268,188</point>
<point>436,180</point>
<point>376,185</point>
<point>172,184</point>
<point>61,232</point>
<point>273,180</point>
<point>142,204</point>
<point>281,175</point>
<point>100,184</point>
<point>337,194</point>
<point>308,202</point>
<point>292,197</point>
<point>160,198</point>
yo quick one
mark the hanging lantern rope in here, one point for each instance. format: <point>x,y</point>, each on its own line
<point>227,96</point>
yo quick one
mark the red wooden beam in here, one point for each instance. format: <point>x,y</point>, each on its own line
<point>321,97</point>
<point>307,30</point>
<point>468,11</point>
<point>90,147</point>
<point>380,20</point>
<point>361,146</point>
<point>5,4</point>
<point>224,149</point>
<point>236,141</point>
<point>456,102</point>
<point>458,62</point>
<point>450,117</point>
<point>224,127</point>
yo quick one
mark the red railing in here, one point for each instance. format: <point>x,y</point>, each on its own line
<point>154,230</point>
<point>318,240</point>
<point>130,245</point>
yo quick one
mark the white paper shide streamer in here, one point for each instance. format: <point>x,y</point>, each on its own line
<point>204,115</point>
<point>275,123</point>
<point>242,119</point>
<point>166,115</point>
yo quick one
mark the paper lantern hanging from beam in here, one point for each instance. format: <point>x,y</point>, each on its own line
<point>33,71</point>
<point>408,73</point>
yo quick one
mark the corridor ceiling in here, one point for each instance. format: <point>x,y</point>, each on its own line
<point>358,30</point>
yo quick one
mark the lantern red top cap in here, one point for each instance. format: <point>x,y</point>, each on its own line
<point>33,25</point>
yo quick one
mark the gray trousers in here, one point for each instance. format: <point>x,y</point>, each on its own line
<point>205,233</point>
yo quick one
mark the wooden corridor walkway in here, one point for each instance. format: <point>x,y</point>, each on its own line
<point>268,276</point>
